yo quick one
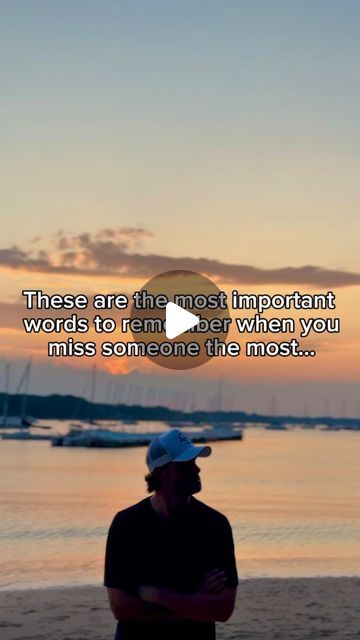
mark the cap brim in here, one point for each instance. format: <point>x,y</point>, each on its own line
<point>193,452</point>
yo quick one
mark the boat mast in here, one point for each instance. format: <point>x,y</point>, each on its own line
<point>6,393</point>
<point>93,384</point>
<point>25,381</point>
<point>219,399</point>
<point>92,394</point>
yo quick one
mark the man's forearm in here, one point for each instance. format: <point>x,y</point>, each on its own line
<point>204,607</point>
<point>135,609</point>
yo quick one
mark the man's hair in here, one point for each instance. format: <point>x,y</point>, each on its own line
<point>154,480</point>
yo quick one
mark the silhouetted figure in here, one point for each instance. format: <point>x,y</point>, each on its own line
<point>170,568</point>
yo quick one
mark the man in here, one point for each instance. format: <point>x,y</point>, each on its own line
<point>170,569</point>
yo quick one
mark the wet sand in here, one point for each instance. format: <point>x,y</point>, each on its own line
<point>266,609</point>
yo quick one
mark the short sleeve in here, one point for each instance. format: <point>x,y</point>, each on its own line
<point>118,573</point>
<point>227,561</point>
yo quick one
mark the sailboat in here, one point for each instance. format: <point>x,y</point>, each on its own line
<point>80,423</point>
<point>92,394</point>
<point>22,421</point>
<point>274,423</point>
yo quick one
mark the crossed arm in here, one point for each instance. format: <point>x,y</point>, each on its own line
<point>212,602</point>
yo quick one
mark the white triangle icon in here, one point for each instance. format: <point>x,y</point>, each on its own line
<point>178,320</point>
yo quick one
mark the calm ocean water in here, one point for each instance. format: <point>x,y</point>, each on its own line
<point>292,499</point>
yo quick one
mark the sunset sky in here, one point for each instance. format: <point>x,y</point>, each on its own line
<point>218,137</point>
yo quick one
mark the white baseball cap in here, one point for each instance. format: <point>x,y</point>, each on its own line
<point>173,446</point>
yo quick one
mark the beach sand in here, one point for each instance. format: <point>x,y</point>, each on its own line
<point>271,609</point>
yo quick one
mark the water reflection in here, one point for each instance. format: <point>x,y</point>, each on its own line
<point>292,499</point>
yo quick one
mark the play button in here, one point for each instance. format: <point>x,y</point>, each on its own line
<point>173,316</point>
<point>178,320</point>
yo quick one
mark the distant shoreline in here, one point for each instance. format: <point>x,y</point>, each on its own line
<point>69,407</point>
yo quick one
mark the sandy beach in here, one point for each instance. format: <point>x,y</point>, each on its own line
<point>271,609</point>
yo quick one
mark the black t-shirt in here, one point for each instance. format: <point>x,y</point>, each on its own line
<point>176,553</point>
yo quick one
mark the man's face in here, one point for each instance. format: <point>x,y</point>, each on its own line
<point>182,478</point>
